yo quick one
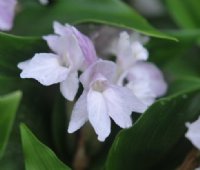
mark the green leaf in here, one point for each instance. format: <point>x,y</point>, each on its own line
<point>58,126</point>
<point>37,155</point>
<point>111,12</point>
<point>184,83</point>
<point>185,12</point>
<point>156,133</point>
<point>185,35</point>
<point>8,107</point>
<point>14,49</point>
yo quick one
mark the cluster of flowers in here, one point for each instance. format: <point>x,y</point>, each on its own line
<point>111,89</point>
<point>7,13</point>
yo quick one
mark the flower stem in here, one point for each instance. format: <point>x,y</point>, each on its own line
<point>80,160</point>
<point>191,161</point>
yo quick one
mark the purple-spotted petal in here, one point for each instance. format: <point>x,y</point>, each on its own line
<point>7,12</point>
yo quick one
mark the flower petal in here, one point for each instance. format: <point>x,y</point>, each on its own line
<point>98,114</point>
<point>69,87</point>
<point>61,29</point>
<point>24,64</point>
<point>148,72</point>
<point>123,48</point>
<point>67,48</point>
<point>101,67</point>
<point>76,57</point>
<point>79,114</point>
<point>86,46</point>
<point>45,68</point>
<point>7,12</point>
<point>121,103</point>
<point>193,133</point>
<point>142,91</point>
<point>129,51</point>
<point>125,98</point>
<point>57,44</point>
<point>84,42</point>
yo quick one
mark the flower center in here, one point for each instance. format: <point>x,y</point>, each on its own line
<point>99,86</point>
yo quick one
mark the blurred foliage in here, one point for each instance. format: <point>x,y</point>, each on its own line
<point>36,154</point>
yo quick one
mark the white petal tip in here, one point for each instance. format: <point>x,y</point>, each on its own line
<point>71,130</point>
<point>20,66</point>
<point>187,124</point>
<point>101,139</point>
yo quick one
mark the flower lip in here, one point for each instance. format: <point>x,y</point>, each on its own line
<point>99,83</point>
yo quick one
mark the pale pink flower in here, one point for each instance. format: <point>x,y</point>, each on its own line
<point>7,13</point>
<point>101,99</point>
<point>145,80</point>
<point>61,66</point>
<point>84,42</point>
<point>128,50</point>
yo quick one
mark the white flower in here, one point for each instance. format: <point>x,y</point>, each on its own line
<point>193,133</point>
<point>84,42</point>
<point>7,12</point>
<point>44,2</point>
<point>145,80</point>
<point>128,50</point>
<point>101,99</point>
<point>61,67</point>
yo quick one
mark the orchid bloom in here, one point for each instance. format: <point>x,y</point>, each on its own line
<point>7,12</point>
<point>145,80</point>
<point>193,133</point>
<point>101,99</point>
<point>128,50</point>
<point>71,50</point>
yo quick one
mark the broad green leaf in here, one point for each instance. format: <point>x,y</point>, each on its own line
<point>58,126</point>
<point>111,12</point>
<point>34,110</point>
<point>185,12</point>
<point>185,35</point>
<point>156,133</point>
<point>8,107</point>
<point>37,155</point>
<point>184,83</point>
<point>14,49</point>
